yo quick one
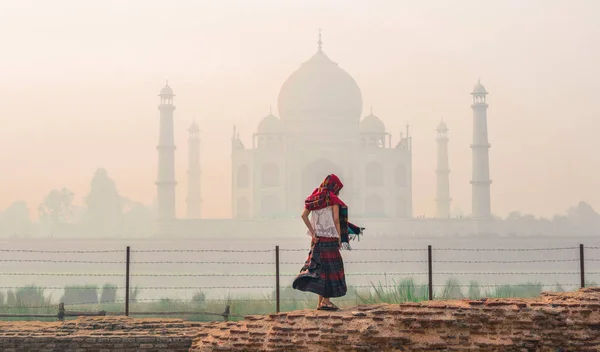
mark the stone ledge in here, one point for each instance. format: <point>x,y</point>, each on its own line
<point>554,322</point>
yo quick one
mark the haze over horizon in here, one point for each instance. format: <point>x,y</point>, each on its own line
<point>79,89</point>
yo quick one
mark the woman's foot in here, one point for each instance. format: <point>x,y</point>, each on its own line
<point>328,306</point>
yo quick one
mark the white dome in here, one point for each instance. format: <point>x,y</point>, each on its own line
<point>320,90</point>
<point>166,90</point>
<point>442,127</point>
<point>194,127</point>
<point>372,124</point>
<point>479,89</point>
<point>270,124</point>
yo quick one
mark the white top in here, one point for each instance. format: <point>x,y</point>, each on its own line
<point>322,221</point>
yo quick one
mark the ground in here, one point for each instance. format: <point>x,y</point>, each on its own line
<point>553,322</point>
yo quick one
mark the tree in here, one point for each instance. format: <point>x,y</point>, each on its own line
<point>584,220</point>
<point>14,221</point>
<point>137,219</point>
<point>104,211</point>
<point>56,208</point>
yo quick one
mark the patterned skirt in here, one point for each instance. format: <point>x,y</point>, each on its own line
<point>323,272</point>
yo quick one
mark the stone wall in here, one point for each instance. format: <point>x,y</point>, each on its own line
<point>556,322</point>
<point>106,334</point>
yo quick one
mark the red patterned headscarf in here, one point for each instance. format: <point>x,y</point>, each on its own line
<point>326,194</point>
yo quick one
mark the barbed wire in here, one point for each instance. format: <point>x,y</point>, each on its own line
<point>514,273</point>
<point>203,250</point>
<point>64,251</point>
<point>202,262</point>
<point>291,250</point>
<point>62,261</point>
<point>137,287</point>
<point>505,285</point>
<point>61,274</point>
<point>365,262</point>
<point>504,249</point>
<point>362,249</point>
<point>291,263</point>
<point>271,274</point>
<point>505,261</point>
<point>448,249</point>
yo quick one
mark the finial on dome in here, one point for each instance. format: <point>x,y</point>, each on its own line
<point>270,109</point>
<point>371,109</point>
<point>320,42</point>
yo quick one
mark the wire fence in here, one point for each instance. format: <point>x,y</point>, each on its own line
<point>209,282</point>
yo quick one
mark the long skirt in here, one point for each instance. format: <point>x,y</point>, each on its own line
<point>323,271</point>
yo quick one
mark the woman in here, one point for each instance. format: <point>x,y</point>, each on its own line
<point>323,272</point>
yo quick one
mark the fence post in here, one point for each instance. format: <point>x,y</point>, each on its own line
<point>127,283</point>
<point>277,292</point>
<point>61,311</point>
<point>581,266</point>
<point>430,272</point>
<point>226,313</point>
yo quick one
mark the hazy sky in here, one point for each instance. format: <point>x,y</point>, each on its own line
<point>79,83</point>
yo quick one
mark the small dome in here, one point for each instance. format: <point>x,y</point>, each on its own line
<point>372,124</point>
<point>166,90</point>
<point>479,88</point>
<point>270,124</point>
<point>194,127</point>
<point>442,127</point>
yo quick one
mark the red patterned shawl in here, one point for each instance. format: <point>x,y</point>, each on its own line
<point>326,194</point>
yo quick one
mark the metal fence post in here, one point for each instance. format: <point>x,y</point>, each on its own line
<point>581,266</point>
<point>430,272</point>
<point>277,289</point>
<point>127,283</point>
<point>226,313</point>
<point>61,311</point>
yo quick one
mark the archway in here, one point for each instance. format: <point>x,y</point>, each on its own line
<point>269,175</point>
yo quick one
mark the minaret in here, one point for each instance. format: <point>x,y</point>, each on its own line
<point>480,183</point>
<point>442,199</point>
<point>193,192</point>
<point>165,185</point>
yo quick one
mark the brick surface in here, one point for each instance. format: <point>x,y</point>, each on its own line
<point>553,322</point>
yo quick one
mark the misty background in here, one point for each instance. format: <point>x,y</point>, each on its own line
<point>78,96</point>
<point>79,84</point>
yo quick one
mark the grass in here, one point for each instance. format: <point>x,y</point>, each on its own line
<point>33,300</point>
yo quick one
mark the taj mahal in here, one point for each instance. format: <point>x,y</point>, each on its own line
<point>320,131</point>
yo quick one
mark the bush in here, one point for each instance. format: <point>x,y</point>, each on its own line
<point>27,296</point>
<point>87,294</point>
<point>199,297</point>
<point>109,293</point>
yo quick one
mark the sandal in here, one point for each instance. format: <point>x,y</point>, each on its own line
<point>330,307</point>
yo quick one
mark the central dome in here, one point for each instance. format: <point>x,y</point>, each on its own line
<point>320,90</point>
